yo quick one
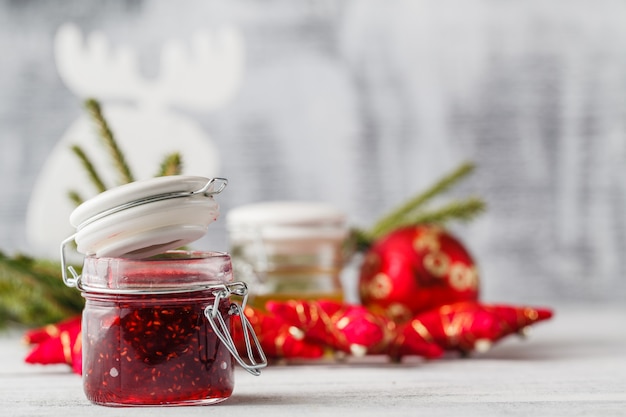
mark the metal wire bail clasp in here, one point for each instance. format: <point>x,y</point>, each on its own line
<point>72,281</point>
<point>254,363</point>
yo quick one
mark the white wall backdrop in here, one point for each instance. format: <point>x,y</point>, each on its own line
<point>363,103</point>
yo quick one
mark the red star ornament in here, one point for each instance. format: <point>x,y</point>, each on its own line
<point>277,338</point>
<point>56,344</point>
<point>414,269</point>
<point>518,319</point>
<point>46,332</point>
<point>468,326</point>
<point>346,328</point>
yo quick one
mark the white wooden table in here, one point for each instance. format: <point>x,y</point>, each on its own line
<point>572,365</point>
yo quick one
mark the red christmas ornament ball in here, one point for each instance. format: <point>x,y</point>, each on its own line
<point>414,269</point>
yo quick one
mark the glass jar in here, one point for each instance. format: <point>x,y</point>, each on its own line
<point>156,331</point>
<point>288,250</point>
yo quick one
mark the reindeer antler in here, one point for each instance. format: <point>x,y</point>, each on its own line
<point>213,63</point>
<point>203,77</point>
<point>92,70</point>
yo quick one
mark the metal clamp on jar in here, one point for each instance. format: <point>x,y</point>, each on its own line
<point>156,324</point>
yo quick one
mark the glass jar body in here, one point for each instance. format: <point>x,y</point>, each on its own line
<point>289,268</point>
<point>288,249</point>
<point>146,339</point>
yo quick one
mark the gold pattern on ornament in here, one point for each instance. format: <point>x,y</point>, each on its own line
<point>531,314</point>
<point>380,286</point>
<point>463,277</point>
<point>358,350</point>
<point>389,332</point>
<point>78,344</point>
<point>252,318</point>
<point>331,324</point>
<point>399,312</point>
<point>279,343</point>
<point>343,322</point>
<point>454,330</point>
<point>66,344</point>
<point>52,330</point>
<point>421,330</point>
<point>437,264</point>
<point>427,240</point>
<point>295,332</point>
<point>299,308</point>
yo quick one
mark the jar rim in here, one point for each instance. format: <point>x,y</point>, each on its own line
<point>170,272</point>
<point>170,255</point>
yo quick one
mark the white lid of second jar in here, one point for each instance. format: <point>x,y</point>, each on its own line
<point>286,220</point>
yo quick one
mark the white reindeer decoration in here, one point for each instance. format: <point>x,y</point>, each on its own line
<point>202,77</point>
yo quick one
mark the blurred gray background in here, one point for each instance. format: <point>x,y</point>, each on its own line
<point>363,103</point>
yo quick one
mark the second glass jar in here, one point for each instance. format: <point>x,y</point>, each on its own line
<point>288,250</point>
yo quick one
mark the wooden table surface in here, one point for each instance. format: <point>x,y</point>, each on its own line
<point>571,365</point>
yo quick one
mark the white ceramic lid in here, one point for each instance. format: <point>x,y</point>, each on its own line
<point>148,217</point>
<point>284,213</point>
<point>286,220</point>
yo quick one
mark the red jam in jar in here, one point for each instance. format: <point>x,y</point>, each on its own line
<point>147,339</point>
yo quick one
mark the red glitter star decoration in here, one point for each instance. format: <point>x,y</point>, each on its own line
<point>56,344</point>
<point>277,338</point>
<point>463,327</point>
<point>468,326</point>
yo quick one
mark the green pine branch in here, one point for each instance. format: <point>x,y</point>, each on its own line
<point>104,131</point>
<point>171,165</point>
<point>32,292</point>
<point>397,215</point>
<point>75,197</point>
<point>108,139</point>
<point>464,210</point>
<point>413,211</point>
<point>86,163</point>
